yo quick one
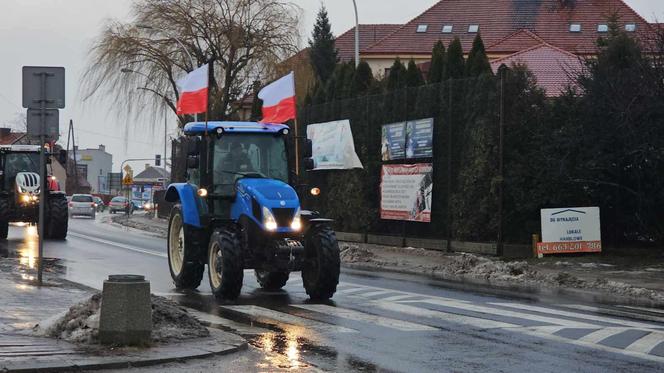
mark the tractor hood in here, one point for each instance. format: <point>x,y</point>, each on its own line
<point>269,192</point>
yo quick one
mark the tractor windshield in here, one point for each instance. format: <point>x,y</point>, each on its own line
<point>18,162</point>
<point>247,154</point>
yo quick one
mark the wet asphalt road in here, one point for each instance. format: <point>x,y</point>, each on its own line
<point>377,320</point>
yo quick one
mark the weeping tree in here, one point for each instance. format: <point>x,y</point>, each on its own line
<point>139,63</point>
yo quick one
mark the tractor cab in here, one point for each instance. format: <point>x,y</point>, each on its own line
<point>239,210</point>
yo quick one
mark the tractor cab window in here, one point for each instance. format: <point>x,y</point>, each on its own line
<point>19,162</point>
<point>248,155</point>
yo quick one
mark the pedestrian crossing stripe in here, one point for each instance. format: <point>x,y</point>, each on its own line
<point>646,343</point>
<point>365,317</point>
<point>265,315</point>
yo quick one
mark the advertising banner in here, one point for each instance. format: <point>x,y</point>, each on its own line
<point>393,141</point>
<point>570,230</point>
<point>333,147</point>
<point>405,192</point>
<point>407,140</point>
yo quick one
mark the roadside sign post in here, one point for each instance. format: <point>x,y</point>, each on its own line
<point>43,95</point>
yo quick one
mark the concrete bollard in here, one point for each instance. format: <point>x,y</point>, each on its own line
<point>126,311</point>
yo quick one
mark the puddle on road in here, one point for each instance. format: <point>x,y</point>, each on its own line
<point>24,253</point>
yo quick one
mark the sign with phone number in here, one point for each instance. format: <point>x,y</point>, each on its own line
<point>569,247</point>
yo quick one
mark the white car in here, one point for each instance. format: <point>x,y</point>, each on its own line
<point>82,204</point>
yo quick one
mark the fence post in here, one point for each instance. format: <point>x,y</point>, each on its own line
<point>449,165</point>
<point>500,165</point>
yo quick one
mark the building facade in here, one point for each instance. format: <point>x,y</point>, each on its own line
<point>95,165</point>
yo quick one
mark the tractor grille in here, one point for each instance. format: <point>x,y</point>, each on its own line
<point>30,180</point>
<point>283,216</point>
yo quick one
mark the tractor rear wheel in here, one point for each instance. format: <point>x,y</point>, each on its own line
<point>225,264</point>
<point>186,274</point>
<point>271,280</point>
<point>58,218</point>
<point>320,274</point>
<point>4,214</point>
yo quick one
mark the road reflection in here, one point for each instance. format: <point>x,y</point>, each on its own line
<point>282,350</point>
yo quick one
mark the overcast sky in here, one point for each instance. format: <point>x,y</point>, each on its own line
<point>59,33</point>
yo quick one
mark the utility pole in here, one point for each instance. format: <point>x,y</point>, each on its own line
<point>357,36</point>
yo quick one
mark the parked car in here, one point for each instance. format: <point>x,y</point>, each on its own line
<point>120,204</point>
<point>82,204</point>
<point>99,204</point>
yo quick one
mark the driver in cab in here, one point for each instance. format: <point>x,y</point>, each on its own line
<point>237,159</point>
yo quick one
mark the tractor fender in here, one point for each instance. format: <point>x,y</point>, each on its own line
<point>189,201</point>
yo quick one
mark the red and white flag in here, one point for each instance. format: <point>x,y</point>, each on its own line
<point>279,100</point>
<point>194,92</point>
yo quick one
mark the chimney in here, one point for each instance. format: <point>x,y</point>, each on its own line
<point>102,148</point>
<point>4,131</point>
<point>570,4</point>
<point>147,165</point>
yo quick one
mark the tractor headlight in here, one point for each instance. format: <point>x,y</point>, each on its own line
<point>296,224</point>
<point>25,198</point>
<point>269,221</point>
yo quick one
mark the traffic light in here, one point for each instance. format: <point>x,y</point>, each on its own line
<point>157,160</point>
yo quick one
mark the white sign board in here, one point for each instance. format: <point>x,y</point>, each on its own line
<point>574,229</point>
<point>333,147</point>
<point>405,192</point>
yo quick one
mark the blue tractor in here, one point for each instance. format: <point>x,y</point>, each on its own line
<point>238,210</point>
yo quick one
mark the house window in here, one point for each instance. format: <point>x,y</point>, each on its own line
<point>630,27</point>
<point>422,28</point>
<point>575,27</point>
<point>473,28</point>
<point>447,29</point>
<point>602,28</point>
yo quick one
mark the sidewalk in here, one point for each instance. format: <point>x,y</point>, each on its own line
<point>634,276</point>
<point>24,306</point>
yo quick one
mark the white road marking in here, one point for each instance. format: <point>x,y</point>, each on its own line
<point>117,244</point>
<point>378,292</point>
<point>505,313</point>
<point>646,343</point>
<point>444,316</point>
<point>614,350</point>
<point>600,335</point>
<point>653,310</point>
<point>351,290</point>
<point>264,313</point>
<point>365,317</point>
<point>396,298</point>
<point>578,315</point>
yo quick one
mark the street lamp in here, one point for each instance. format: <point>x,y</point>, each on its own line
<point>194,65</point>
<point>130,71</point>
<point>357,36</point>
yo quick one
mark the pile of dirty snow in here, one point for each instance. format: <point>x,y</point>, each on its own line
<point>355,254</point>
<point>80,324</point>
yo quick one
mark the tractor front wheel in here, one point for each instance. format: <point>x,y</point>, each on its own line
<point>320,274</point>
<point>271,280</point>
<point>4,214</point>
<point>186,274</point>
<point>225,265</point>
<point>58,219</point>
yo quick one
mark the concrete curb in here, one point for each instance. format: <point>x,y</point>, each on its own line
<point>532,292</point>
<point>219,343</point>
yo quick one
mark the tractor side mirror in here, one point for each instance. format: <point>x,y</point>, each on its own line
<point>309,164</point>
<point>62,157</point>
<point>308,148</point>
<point>194,146</point>
<point>193,161</point>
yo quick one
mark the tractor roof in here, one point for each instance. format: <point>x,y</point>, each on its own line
<point>199,128</point>
<point>19,148</point>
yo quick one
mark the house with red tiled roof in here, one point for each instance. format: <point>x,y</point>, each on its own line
<point>8,137</point>
<point>528,29</point>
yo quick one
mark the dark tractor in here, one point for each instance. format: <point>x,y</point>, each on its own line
<point>238,211</point>
<point>20,191</point>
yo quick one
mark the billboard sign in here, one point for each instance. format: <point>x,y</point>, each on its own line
<point>333,146</point>
<point>407,140</point>
<point>570,230</point>
<point>406,191</point>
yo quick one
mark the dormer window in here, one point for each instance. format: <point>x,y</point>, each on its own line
<point>575,27</point>
<point>473,29</point>
<point>447,29</point>
<point>630,27</point>
<point>602,28</point>
<point>422,28</point>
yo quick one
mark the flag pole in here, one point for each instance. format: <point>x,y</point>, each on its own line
<point>297,149</point>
